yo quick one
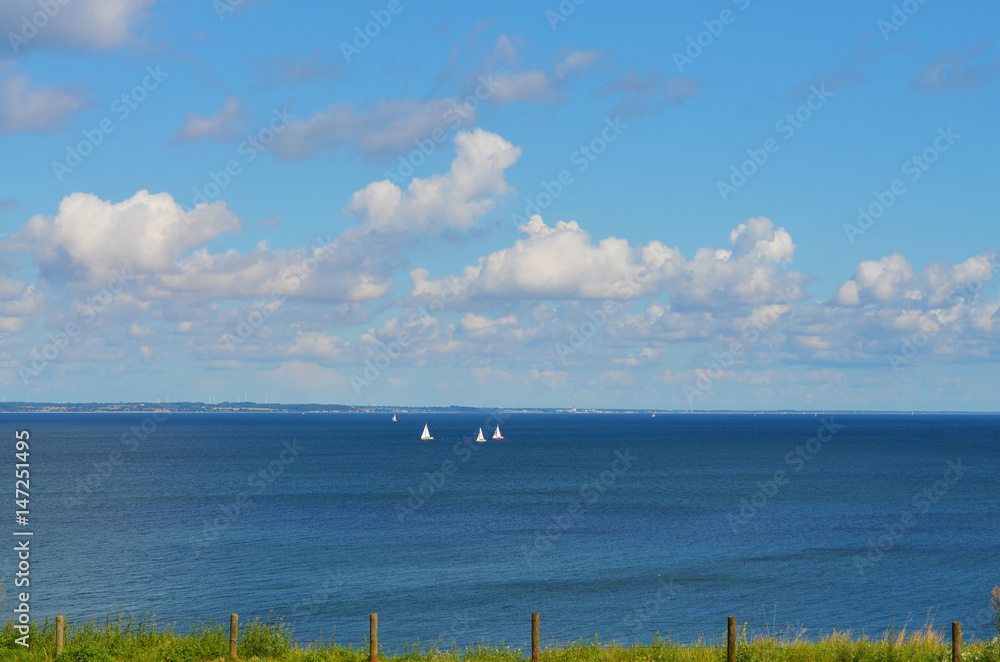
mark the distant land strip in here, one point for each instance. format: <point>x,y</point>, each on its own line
<point>312,408</point>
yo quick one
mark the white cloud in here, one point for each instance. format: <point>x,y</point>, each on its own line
<point>563,262</point>
<point>478,326</point>
<point>511,83</point>
<point>393,126</point>
<point>519,86</point>
<point>19,302</point>
<point>458,198</point>
<point>317,345</point>
<point>648,95</point>
<point>382,131</point>
<point>891,279</point>
<point>877,281</point>
<point>164,246</point>
<point>549,377</point>
<point>88,24</point>
<point>224,125</point>
<point>145,233</point>
<point>139,331</point>
<point>577,60</point>
<point>339,273</point>
<point>886,304</point>
<point>26,108</point>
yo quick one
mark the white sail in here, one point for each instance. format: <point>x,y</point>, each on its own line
<point>426,434</point>
<point>497,435</point>
<point>480,437</point>
<point>393,418</point>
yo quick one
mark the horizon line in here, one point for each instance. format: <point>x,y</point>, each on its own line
<point>471,408</point>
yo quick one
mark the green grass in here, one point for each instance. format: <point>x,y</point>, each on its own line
<point>120,639</point>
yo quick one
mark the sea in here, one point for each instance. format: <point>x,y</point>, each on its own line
<point>616,526</point>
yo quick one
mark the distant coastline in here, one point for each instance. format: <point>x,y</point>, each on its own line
<point>312,408</point>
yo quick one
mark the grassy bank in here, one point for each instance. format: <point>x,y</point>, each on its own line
<point>140,641</point>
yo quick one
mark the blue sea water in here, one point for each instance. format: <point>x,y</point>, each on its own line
<point>616,525</point>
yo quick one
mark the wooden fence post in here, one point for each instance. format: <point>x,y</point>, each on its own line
<point>535,638</point>
<point>373,637</point>
<point>956,641</point>
<point>60,625</point>
<point>731,640</point>
<point>234,633</point>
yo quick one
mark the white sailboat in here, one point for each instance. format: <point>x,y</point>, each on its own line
<point>393,418</point>
<point>497,435</point>
<point>426,434</point>
<point>480,437</point>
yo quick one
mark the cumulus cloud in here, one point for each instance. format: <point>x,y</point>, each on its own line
<point>151,236</point>
<point>332,272</point>
<point>224,125</point>
<point>87,24</point>
<point>886,301</point>
<point>39,108</point>
<point>892,280</point>
<point>19,301</point>
<point>146,232</point>
<point>563,262</point>
<point>317,345</point>
<point>458,198</point>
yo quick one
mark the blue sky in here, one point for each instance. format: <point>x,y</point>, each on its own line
<point>501,204</point>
